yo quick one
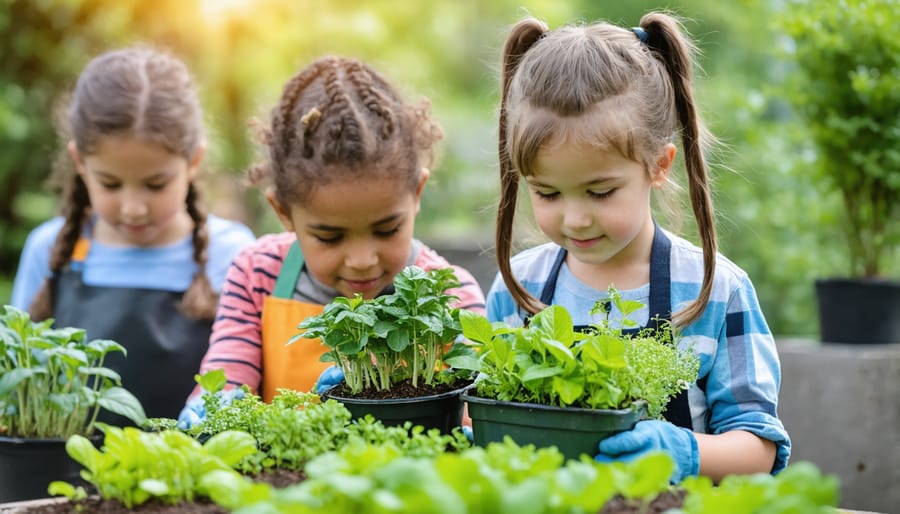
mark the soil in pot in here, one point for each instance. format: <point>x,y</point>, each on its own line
<point>435,406</point>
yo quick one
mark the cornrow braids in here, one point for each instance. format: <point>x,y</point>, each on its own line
<point>199,300</point>
<point>337,119</point>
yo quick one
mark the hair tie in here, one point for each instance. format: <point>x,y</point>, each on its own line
<point>641,34</point>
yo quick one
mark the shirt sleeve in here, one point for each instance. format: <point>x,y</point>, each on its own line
<point>743,383</point>
<point>235,344</point>
<point>34,263</point>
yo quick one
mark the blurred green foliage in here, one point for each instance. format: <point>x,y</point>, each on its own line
<point>774,220</point>
<point>847,90</point>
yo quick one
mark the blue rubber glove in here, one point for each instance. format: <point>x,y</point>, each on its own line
<point>332,376</point>
<point>194,411</point>
<point>467,431</point>
<point>651,435</point>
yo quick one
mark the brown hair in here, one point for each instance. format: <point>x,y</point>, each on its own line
<point>137,92</point>
<point>635,94</point>
<point>338,118</point>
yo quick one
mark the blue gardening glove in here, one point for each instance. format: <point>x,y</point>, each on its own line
<point>654,435</point>
<point>194,411</point>
<point>331,377</point>
<point>467,431</point>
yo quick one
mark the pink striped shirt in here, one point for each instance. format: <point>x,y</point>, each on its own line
<point>236,341</point>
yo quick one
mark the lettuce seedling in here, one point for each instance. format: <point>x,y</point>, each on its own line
<point>53,382</point>
<point>550,363</point>
<point>409,334</point>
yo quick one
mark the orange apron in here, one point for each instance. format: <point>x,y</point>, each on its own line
<point>295,366</point>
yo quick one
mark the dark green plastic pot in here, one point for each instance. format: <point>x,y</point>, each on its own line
<point>27,466</point>
<point>573,431</point>
<point>442,411</point>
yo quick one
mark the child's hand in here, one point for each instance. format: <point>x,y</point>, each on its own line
<point>194,411</point>
<point>332,376</point>
<point>654,435</point>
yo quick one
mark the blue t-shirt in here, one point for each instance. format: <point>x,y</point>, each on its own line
<point>737,352</point>
<point>167,268</point>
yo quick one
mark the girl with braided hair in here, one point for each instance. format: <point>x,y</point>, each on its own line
<point>590,117</point>
<point>134,257</point>
<point>346,163</point>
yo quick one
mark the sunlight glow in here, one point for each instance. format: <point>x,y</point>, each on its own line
<point>215,10</point>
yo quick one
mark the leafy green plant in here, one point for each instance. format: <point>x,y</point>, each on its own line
<point>297,427</point>
<point>407,335</point>
<point>53,382</point>
<point>135,466</point>
<point>502,478</point>
<point>846,88</point>
<point>550,363</point>
<point>800,487</point>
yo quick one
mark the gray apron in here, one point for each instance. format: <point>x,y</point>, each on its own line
<point>164,347</point>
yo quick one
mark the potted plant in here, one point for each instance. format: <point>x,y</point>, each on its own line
<point>845,86</point>
<point>548,384</point>
<point>52,386</point>
<point>394,350</point>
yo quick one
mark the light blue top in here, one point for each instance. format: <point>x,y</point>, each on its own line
<point>167,268</point>
<point>737,352</point>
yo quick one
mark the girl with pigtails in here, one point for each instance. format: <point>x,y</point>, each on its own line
<point>346,164</point>
<point>134,257</point>
<point>590,119</point>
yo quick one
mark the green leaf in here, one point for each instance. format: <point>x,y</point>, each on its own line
<point>231,446</point>
<point>14,377</point>
<point>120,401</point>
<point>476,327</point>
<point>212,381</point>
<point>154,486</point>
<point>568,389</point>
<point>83,451</point>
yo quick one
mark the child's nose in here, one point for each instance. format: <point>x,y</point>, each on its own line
<point>133,205</point>
<point>362,256</point>
<point>576,216</point>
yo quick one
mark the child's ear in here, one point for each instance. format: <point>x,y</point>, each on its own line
<point>76,157</point>
<point>194,163</point>
<point>660,174</point>
<point>283,214</point>
<point>423,178</point>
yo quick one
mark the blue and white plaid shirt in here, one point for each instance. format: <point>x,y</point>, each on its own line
<point>738,358</point>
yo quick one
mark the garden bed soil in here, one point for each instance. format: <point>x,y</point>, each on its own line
<point>97,506</point>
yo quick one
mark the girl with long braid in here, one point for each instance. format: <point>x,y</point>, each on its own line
<point>347,160</point>
<point>589,119</point>
<point>134,257</point>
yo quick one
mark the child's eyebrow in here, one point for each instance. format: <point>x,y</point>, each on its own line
<point>111,176</point>
<point>331,228</point>
<point>599,181</point>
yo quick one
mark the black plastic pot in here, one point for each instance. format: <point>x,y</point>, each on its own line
<point>27,466</point>
<point>442,411</point>
<point>573,431</point>
<point>859,311</point>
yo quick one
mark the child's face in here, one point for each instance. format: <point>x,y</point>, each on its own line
<point>355,234</point>
<point>594,203</point>
<point>137,189</point>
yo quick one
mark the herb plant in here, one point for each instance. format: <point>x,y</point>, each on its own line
<point>549,363</point>
<point>296,427</point>
<point>53,382</point>
<point>407,335</point>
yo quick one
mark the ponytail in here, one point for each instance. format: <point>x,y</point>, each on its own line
<point>665,39</point>
<point>523,35</point>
